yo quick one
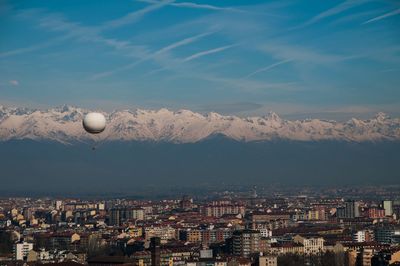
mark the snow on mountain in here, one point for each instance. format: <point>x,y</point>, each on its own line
<point>64,124</point>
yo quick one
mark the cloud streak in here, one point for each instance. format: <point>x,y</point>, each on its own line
<point>104,74</point>
<point>268,67</point>
<point>185,41</point>
<point>135,16</point>
<point>57,23</point>
<point>154,55</point>
<point>31,48</point>
<point>194,6</point>
<point>302,54</point>
<point>208,52</point>
<point>342,7</point>
<point>386,15</point>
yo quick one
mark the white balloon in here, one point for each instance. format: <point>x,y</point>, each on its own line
<point>94,123</point>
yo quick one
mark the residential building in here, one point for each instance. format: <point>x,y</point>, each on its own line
<point>388,207</point>
<point>245,242</point>
<point>21,250</point>
<point>311,244</point>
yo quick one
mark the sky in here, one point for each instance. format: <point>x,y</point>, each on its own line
<point>330,59</point>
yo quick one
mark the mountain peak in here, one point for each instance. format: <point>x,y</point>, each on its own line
<point>164,110</point>
<point>273,116</point>
<point>381,116</point>
<point>65,108</point>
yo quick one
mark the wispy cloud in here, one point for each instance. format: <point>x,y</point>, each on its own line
<point>75,31</point>
<point>153,55</point>
<point>300,53</point>
<point>13,82</point>
<point>386,15</point>
<point>244,85</point>
<point>208,52</point>
<point>390,70</point>
<point>115,70</point>
<point>195,6</point>
<point>136,15</point>
<point>342,7</point>
<point>185,41</point>
<point>203,6</point>
<point>360,16</point>
<point>31,48</point>
<point>268,67</point>
<point>58,23</point>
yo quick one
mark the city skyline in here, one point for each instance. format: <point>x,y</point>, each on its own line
<point>247,226</point>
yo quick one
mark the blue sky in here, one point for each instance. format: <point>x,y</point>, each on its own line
<point>331,59</point>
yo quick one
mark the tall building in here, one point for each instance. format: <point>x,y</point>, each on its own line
<point>245,242</point>
<point>134,213</point>
<point>388,207</point>
<point>58,204</point>
<point>155,251</point>
<point>186,203</point>
<point>21,250</point>
<point>254,192</point>
<point>101,206</point>
<point>217,210</point>
<point>122,214</point>
<point>350,210</point>
<point>115,218</point>
<point>387,234</point>
<point>28,213</point>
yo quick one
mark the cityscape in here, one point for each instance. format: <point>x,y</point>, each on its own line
<point>199,133</point>
<point>251,226</point>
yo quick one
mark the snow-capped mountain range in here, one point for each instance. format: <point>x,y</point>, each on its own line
<point>64,124</point>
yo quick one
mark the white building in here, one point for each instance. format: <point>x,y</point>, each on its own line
<point>312,245</point>
<point>59,204</point>
<point>43,255</point>
<point>265,232</point>
<point>388,206</point>
<point>359,236</point>
<point>206,253</point>
<point>21,250</point>
<point>138,214</point>
<point>212,262</point>
<point>163,232</point>
<point>101,206</point>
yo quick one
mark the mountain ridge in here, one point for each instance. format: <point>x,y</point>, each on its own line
<point>64,124</point>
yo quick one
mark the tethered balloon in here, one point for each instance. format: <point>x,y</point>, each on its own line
<point>94,123</point>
